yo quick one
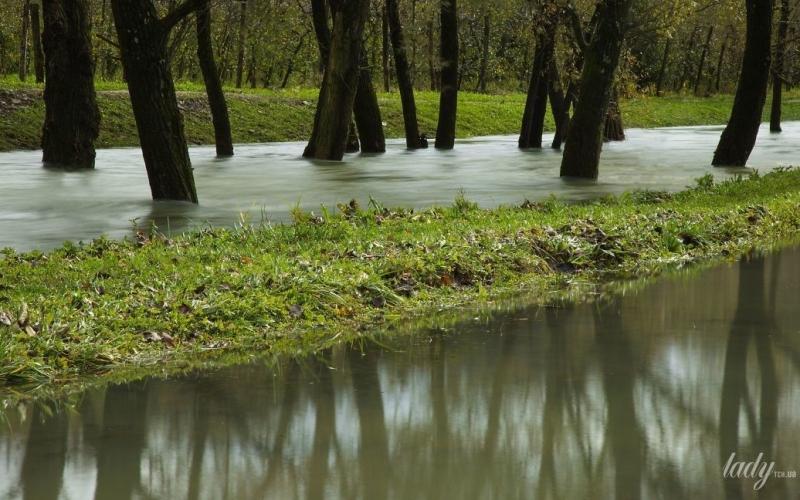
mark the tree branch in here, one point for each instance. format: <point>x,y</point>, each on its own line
<point>181,11</point>
<point>577,26</point>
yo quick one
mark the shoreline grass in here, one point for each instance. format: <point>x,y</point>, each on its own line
<point>133,307</point>
<point>259,115</point>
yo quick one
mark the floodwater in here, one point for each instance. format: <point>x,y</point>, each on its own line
<point>40,208</point>
<point>648,393</point>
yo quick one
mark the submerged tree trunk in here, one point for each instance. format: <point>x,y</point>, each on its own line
<point>613,130</point>
<point>319,17</point>
<point>403,78</point>
<point>366,111</point>
<point>38,55</point>
<point>216,98</point>
<point>143,48</point>
<point>535,105</point>
<point>778,70</point>
<point>585,135</point>
<point>448,98</point>
<point>558,105</point>
<point>340,82</point>
<point>740,134</point>
<point>72,118</point>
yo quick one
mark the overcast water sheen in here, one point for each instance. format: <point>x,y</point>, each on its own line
<point>643,396</point>
<point>40,208</point>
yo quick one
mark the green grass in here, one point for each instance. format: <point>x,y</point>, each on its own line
<point>124,308</point>
<point>287,115</point>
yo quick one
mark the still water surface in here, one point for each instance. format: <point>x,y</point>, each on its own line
<point>645,395</point>
<point>40,208</point>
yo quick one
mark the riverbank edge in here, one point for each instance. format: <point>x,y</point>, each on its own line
<point>116,310</point>
<point>259,116</point>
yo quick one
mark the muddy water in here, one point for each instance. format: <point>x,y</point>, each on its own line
<point>646,394</point>
<point>40,208</point>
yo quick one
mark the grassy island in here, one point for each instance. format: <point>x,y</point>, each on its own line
<point>109,306</point>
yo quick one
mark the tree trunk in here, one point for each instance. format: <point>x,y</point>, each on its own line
<point>413,139</point>
<point>721,59</point>
<point>537,92</point>
<point>703,59</point>
<point>366,111</point>
<point>385,47</point>
<point>240,47</point>
<point>448,98</point>
<point>585,135</point>
<point>686,68</point>
<point>487,19</point>
<point>72,118</point>
<point>216,98</point>
<point>319,17</point>
<point>23,42</point>
<point>143,48</point>
<point>663,68</point>
<point>38,55</point>
<point>613,130</point>
<point>739,136</point>
<point>778,69</point>
<point>340,81</point>
<point>558,105</point>
<point>352,145</point>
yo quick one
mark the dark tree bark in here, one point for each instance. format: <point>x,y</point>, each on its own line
<point>663,69</point>
<point>143,47</point>
<point>686,67</point>
<point>613,130</point>
<point>778,78</point>
<point>216,98</point>
<point>352,145</point>
<point>319,17</point>
<point>23,42</point>
<point>558,105</point>
<point>403,78</point>
<point>366,111</point>
<point>448,98</point>
<point>432,74</point>
<point>585,135</point>
<point>72,118</point>
<point>740,134</point>
<point>385,47</point>
<point>240,45</point>
<point>721,59</point>
<point>703,60</point>
<point>38,54</point>
<point>536,102</point>
<point>340,81</point>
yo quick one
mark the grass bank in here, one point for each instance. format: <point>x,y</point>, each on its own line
<point>111,306</point>
<point>273,116</point>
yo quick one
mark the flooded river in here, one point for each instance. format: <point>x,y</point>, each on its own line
<point>40,208</point>
<point>669,390</point>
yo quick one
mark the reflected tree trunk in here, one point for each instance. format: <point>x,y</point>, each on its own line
<point>373,451</point>
<point>122,441</point>
<point>45,453</point>
<point>324,430</point>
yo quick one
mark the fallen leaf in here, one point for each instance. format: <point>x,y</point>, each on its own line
<point>30,331</point>
<point>151,336</point>
<point>23,319</point>
<point>5,319</point>
<point>167,339</point>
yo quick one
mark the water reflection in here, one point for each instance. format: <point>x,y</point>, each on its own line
<point>644,395</point>
<point>40,208</point>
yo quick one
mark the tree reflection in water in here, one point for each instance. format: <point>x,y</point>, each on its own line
<point>639,396</point>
